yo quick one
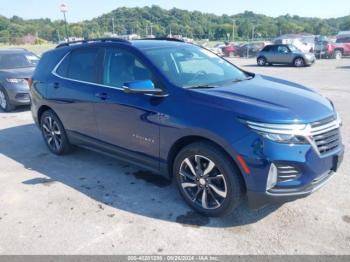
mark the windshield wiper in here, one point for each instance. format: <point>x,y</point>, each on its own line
<point>201,87</point>
<point>244,79</point>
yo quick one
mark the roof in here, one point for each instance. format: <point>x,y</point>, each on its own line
<point>140,44</point>
<point>150,44</point>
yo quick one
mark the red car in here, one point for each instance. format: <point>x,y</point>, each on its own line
<point>229,50</point>
<point>335,50</point>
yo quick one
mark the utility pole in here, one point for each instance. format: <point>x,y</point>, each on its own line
<point>253,32</point>
<point>113,28</point>
<point>64,10</point>
<point>151,29</point>
<point>233,30</point>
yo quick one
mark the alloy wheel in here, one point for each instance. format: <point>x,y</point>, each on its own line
<point>299,62</point>
<point>3,101</point>
<point>261,61</point>
<point>52,133</point>
<point>203,182</point>
<point>338,55</point>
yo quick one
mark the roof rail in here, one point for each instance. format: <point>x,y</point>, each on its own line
<point>107,39</point>
<point>164,38</point>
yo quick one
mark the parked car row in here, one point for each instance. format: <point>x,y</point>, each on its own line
<point>329,49</point>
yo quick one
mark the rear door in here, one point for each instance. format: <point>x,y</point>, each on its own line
<point>72,93</point>
<point>271,54</point>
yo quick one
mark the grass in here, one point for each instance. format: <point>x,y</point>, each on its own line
<point>37,49</point>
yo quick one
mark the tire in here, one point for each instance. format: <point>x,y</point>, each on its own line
<point>338,54</point>
<point>54,134</point>
<point>216,188</point>
<point>5,103</point>
<point>299,62</point>
<point>261,61</point>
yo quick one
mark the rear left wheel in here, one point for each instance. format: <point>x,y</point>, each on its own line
<point>54,133</point>
<point>207,180</point>
<point>261,61</point>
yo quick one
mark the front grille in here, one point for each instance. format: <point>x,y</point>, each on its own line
<point>287,173</point>
<point>326,135</point>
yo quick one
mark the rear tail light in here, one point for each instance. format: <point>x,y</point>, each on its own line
<point>30,82</point>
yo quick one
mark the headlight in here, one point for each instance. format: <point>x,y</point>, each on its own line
<point>281,133</point>
<point>283,138</point>
<point>15,80</point>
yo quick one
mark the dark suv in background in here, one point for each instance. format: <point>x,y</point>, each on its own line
<point>181,111</point>
<point>16,68</point>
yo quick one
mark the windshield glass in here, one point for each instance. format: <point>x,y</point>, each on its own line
<point>191,66</point>
<point>18,60</point>
<point>293,48</point>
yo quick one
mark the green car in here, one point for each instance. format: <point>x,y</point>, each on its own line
<point>284,54</point>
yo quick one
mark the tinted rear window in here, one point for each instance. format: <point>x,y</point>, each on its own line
<point>18,60</point>
<point>80,65</point>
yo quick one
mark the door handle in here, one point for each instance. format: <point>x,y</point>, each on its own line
<point>102,96</point>
<point>56,85</point>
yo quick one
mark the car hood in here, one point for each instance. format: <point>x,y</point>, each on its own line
<point>17,73</point>
<point>269,99</point>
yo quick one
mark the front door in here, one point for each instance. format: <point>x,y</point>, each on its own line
<point>128,121</point>
<point>283,55</point>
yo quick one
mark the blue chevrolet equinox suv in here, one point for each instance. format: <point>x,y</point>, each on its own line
<point>183,112</point>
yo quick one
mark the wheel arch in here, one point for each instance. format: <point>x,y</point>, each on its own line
<point>41,110</point>
<point>187,140</point>
<point>339,49</point>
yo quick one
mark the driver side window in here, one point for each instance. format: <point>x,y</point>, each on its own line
<point>282,49</point>
<point>120,67</point>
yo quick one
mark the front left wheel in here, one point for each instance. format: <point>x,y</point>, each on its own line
<point>207,180</point>
<point>299,62</point>
<point>54,133</point>
<point>5,102</point>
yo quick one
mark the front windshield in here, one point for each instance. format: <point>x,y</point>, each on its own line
<point>293,48</point>
<point>18,60</point>
<point>190,66</point>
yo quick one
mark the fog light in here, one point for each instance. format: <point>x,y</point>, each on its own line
<point>272,177</point>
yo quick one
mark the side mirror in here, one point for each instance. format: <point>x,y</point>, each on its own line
<point>145,87</point>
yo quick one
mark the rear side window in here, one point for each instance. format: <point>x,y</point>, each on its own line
<point>80,65</point>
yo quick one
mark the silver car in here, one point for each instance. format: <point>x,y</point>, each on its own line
<point>16,68</point>
<point>284,54</point>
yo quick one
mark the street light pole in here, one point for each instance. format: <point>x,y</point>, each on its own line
<point>64,9</point>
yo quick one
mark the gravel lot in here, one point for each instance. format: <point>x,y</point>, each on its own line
<point>85,203</point>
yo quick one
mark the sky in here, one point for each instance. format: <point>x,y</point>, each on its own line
<point>79,10</point>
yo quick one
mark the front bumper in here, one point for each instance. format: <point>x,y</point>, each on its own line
<point>314,171</point>
<point>258,199</point>
<point>310,60</point>
<point>18,94</point>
